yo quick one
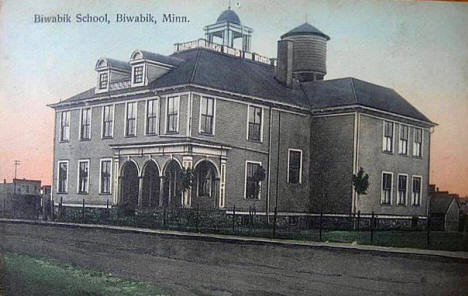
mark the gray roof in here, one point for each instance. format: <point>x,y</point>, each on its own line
<point>118,64</point>
<point>229,16</point>
<point>305,29</point>
<point>440,205</point>
<point>352,91</point>
<point>215,70</point>
<point>168,60</point>
<point>229,73</point>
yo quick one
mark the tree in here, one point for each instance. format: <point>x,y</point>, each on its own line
<point>360,183</point>
<point>258,177</point>
<point>186,177</point>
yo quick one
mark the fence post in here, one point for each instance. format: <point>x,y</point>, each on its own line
<point>428,235</point>
<point>274,222</point>
<point>83,212</point>
<point>60,208</point>
<point>52,205</point>
<point>358,219</point>
<point>320,226</point>
<point>234,219</point>
<point>198,218</point>
<point>254,218</point>
<point>372,229</point>
<point>250,220</point>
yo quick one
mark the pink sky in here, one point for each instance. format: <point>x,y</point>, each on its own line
<point>418,48</point>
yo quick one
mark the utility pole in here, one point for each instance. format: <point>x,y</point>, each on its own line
<point>16,164</point>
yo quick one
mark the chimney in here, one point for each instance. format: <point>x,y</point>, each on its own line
<point>4,181</point>
<point>284,66</point>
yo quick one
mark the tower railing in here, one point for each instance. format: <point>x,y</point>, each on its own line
<point>203,43</point>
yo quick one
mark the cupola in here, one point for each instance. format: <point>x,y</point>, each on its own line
<point>228,28</point>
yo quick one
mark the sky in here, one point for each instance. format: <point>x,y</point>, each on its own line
<point>420,49</point>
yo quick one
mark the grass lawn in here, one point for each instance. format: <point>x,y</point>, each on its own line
<point>25,275</point>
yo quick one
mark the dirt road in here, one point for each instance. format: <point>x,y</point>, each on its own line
<point>213,267</point>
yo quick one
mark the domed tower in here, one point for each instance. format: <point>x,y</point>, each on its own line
<point>302,55</point>
<point>228,28</point>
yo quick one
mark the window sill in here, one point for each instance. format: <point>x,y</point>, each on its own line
<point>203,196</point>
<point>386,204</point>
<point>62,192</point>
<point>416,206</point>
<point>255,141</point>
<point>401,205</point>
<point>206,134</point>
<point>105,194</point>
<point>251,199</point>
<point>130,136</point>
<point>83,193</point>
<point>172,133</point>
<point>387,152</point>
<point>107,138</point>
<point>64,141</point>
<point>417,157</point>
<point>151,135</point>
<point>403,154</point>
<point>85,140</point>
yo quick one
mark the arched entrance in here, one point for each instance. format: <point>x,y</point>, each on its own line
<point>205,186</point>
<point>151,185</point>
<point>172,185</point>
<point>129,185</point>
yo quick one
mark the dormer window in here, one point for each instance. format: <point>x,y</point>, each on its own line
<point>148,66</point>
<point>103,80</point>
<point>137,74</point>
<point>110,71</point>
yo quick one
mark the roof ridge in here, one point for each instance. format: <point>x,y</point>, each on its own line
<point>354,90</point>
<point>227,55</point>
<point>195,67</point>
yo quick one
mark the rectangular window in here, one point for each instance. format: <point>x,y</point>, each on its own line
<point>388,136</point>
<point>83,174</point>
<point>386,188</point>
<point>206,115</point>
<point>85,124</point>
<point>62,186</point>
<point>252,186</point>
<point>103,80</point>
<point>65,126</point>
<point>131,119</point>
<point>172,114</point>
<point>295,166</point>
<point>138,74</point>
<point>402,189</point>
<point>255,123</point>
<point>107,121</point>
<point>105,180</point>
<point>417,143</point>
<point>416,195</point>
<point>403,147</point>
<point>151,117</point>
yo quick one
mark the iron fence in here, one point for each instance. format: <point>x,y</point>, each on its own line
<point>362,228</point>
